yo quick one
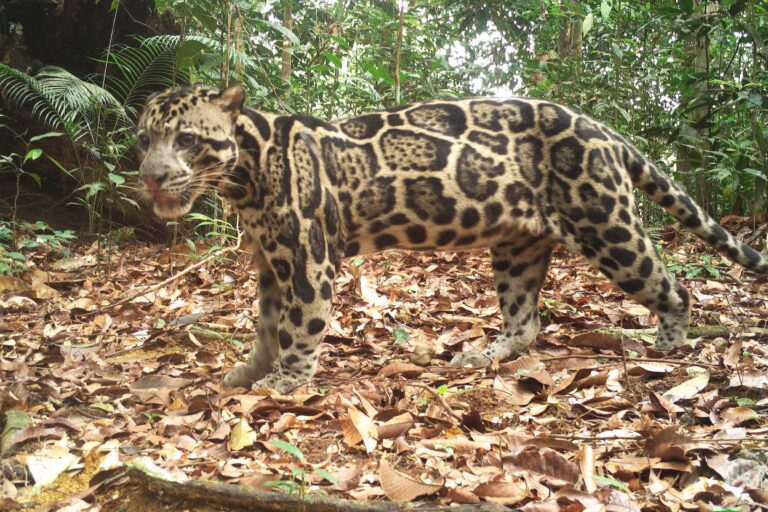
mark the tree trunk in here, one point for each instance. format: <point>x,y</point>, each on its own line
<point>73,33</point>
<point>398,46</point>
<point>760,201</point>
<point>569,39</point>
<point>694,144</point>
<point>286,54</point>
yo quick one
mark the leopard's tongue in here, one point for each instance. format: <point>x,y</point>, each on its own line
<point>163,198</point>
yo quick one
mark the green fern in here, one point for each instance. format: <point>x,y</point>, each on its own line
<point>139,71</point>
<point>60,100</point>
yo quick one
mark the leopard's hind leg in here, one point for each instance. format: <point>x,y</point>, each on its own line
<point>626,255</point>
<point>519,269</point>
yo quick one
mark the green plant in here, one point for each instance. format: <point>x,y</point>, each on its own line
<point>96,115</point>
<point>554,306</point>
<point>694,267</point>
<point>298,482</point>
<point>20,238</point>
<point>400,336</point>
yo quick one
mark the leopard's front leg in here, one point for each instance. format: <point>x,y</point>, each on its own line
<point>306,284</point>
<point>264,352</point>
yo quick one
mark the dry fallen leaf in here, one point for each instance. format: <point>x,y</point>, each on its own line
<point>365,428</point>
<point>402,488</point>
<point>668,444</point>
<point>242,436</point>
<point>687,389</point>
<point>503,493</point>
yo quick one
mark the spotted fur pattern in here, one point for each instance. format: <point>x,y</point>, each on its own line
<point>515,175</point>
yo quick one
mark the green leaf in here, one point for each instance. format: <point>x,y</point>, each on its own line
<point>755,173</point>
<point>325,474</point>
<point>287,33</point>
<point>333,58</point>
<point>586,26</point>
<point>686,6</point>
<point>287,447</point>
<point>33,154</point>
<point>602,480</point>
<point>44,136</point>
<point>605,9</point>
<point>400,335</point>
<point>116,179</point>
<point>755,98</point>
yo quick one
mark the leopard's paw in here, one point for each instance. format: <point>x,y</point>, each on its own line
<point>239,377</point>
<point>473,359</point>
<point>279,383</point>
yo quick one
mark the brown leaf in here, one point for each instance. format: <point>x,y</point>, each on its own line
<point>348,478</point>
<point>555,468</point>
<point>407,370</point>
<point>687,389</point>
<point>459,495</point>
<point>242,436</point>
<point>631,464</point>
<point>457,444</point>
<point>365,428</point>
<point>615,500</point>
<point>395,427</point>
<point>521,366</point>
<point>667,444</point>
<point>749,377</point>
<point>402,488</point>
<point>515,392</point>
<point>12,284</point>
<point>503,493</point>
<point>739,415</point>
<point>663,404</point>
<point>732,355</point>
<point>596,340</point>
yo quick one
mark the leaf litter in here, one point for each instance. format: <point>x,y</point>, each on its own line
<point>111,366</point>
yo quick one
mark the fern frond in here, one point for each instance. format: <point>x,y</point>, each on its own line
<point>91,103</point>
<point>26,91</point>
<point>144,69</point>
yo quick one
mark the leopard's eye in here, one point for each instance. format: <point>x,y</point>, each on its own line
<point>142,141</point>
<point>186,140</point>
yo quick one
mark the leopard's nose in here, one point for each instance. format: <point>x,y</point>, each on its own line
<point>153,181</point>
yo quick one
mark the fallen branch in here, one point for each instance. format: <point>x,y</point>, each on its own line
<point>155,480</point>
<point>168,281</point>
<point>576,437</point>
<point>693,331</point>
<point>439,398</point>
<point>679,362</point>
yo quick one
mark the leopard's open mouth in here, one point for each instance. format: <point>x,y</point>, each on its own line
<point>170,206</point>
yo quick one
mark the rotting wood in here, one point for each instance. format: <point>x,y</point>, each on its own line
<point>156,481</point>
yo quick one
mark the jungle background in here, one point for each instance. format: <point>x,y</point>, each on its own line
<point>685,80</point>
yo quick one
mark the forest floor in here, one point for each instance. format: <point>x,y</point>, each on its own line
<point>111,365</point>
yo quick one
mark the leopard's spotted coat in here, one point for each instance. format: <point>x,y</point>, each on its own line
<point>516,175</point>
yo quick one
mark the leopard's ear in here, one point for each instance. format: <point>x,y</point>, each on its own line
<point>231,100</point>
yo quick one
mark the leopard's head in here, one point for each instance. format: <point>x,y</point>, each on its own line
<point>186,143</point>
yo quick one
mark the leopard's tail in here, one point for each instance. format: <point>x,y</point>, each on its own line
<point>666,192</point>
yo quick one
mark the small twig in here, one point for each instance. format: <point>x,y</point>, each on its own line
<point>630,359</point>
<point>171,279</point>
<point>575,437</point>
<point>627,381</point>
<point>439,398</point>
